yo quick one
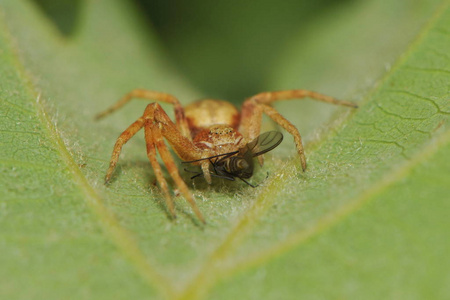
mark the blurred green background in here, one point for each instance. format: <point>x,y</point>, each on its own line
<point>226,48</point>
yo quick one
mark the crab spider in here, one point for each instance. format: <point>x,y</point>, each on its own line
<point>210,133</point>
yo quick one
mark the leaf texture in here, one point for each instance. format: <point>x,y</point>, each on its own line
<point>367,220</point>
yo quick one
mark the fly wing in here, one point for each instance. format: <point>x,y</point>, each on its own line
<point>265,143</point>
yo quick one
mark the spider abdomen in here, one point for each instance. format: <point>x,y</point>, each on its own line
<point>203,114</point>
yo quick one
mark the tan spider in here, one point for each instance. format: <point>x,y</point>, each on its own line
<point>207,130</point>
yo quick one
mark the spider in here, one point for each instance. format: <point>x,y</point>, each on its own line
<point>210,133</point>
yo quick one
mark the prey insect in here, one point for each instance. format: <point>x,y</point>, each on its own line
<point>239,164</point>
<point>212,134</point>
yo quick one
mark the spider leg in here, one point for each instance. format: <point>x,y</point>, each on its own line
<point>184,147</point>
<point>180,117</point>
<point>173,170</point>
<point>162,127</point>
<point>151,154</point>
<point>270,97</point>
<point>123,138</point>
<point>277,117</point>
<point>254,106</point>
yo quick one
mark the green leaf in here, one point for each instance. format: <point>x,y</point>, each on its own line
<point>367,220</point>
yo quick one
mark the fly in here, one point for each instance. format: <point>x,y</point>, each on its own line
<point>240,164</point>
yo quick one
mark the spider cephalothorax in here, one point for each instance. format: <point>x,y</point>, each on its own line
<point>209,133</point>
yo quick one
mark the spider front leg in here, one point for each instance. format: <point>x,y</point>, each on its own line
<point>253,108</point>
<point>123,138</point>
<point>151,154</point>
<point>157,126</point>
<point>173,171</point>
<point>180,117</point>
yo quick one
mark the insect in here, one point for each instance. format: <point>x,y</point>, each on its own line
<point>210,133</point>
